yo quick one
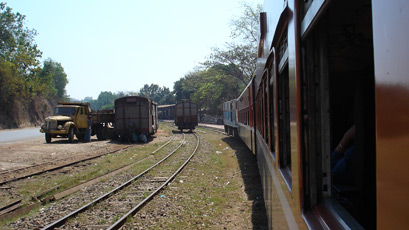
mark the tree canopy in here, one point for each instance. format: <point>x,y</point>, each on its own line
<point>227,71</point>
<point>209,88</point>
<point>106,99</point>
<point>21,75</point>
<point>161,95</point>
<point>17,43</point>
<point>242,52</point>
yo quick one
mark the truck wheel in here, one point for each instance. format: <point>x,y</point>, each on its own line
<point>71,135</point>
<point>102,133</point>
<point>48,137</point>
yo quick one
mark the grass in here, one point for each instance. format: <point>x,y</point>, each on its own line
<point>40,184</point>
<point>206,191</point>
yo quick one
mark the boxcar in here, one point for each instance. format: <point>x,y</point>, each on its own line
<point>135,115</point>
<point>186,115</point>
<point>324,67</point>
<point>230,117</point>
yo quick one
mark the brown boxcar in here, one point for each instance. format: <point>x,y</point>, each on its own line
<point>186,114</point>
<point>135,115</point>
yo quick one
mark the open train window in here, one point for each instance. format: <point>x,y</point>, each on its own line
<point>337,95</point>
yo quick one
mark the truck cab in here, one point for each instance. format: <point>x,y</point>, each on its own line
<point>68,119</point>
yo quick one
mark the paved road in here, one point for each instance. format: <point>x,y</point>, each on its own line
<point>12,135</point>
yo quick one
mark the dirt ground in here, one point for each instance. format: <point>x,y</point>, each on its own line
<point>220,189</point>
<point>35,151</point>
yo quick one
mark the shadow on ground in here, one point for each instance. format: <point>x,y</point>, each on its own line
<point>249,172</point>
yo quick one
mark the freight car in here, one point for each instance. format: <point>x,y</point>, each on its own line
<point>135,116</point>
<point>186,115</point>
<point>325,67</point>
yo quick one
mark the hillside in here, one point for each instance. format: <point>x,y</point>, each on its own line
<point>20,114</point>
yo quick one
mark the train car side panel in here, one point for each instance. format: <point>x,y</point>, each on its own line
<point>245,117</point>
<point>230,117</point>
<point>391,51</point>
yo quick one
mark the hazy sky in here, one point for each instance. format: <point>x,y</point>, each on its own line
<point>122,45</point>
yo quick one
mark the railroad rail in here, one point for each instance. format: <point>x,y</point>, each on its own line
<point>17,207</point>
<point>135,209</point>
<point>29,171</point>
<point>213,129</point>
<point>124,188</point>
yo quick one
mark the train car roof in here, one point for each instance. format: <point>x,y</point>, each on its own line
<point>138,97</point>
<point>165,106</point>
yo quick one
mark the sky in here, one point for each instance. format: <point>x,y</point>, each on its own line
<point>123,45</point>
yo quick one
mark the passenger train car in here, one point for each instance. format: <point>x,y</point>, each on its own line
<point>331,89</point>
<point>230,117</point>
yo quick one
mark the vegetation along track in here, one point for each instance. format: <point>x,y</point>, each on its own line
<point>86,219</point>
<point>25,205</point>
<point>37,169</point>
<point>126,199</point>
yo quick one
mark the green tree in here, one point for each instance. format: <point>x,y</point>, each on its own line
<point>209,88</point>
<point>161,95</point>
<point>17,43</point>
<point>53,76</point>
<point>106,99</point>
<point>243,52</point>
<point>150,91</point>
<point>11,86</point>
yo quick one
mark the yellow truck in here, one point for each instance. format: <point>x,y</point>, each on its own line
<point>71,119</point>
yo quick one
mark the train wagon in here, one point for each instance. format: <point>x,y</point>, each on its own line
<point>134,116</point>
<point>230,117</point>
<point>186,115</point>
<point>327,114</point>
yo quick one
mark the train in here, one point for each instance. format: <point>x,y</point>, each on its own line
<point>166,112</point>
<point>135,116</point>
<point>186,115</point>
<point>327,114</point>
<point>230,117</point>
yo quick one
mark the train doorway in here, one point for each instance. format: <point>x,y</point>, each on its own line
<point>338,95</point>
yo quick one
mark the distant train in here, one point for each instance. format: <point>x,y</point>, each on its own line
<point>135,116</point>
<point>166,112</point>
<point>325,67</point>
<point>186,115</point>
<point>230,117</point>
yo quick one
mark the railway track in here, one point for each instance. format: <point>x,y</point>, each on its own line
<point>37,169</point>
<point>20,206</point>
<point>221,131</point>
<point>125,200</point>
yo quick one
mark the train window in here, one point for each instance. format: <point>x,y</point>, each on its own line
<point>338,95</point>
<point>284,141</point>
<point>266,116</point>
<point>259,113</point>
<point>271,115</point>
